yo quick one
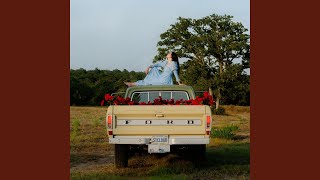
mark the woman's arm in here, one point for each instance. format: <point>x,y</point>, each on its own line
<point>157,64</point>
<point>147,70</point>
<point>175,72</point>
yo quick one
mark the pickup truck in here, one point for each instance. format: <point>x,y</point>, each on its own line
<point>158,128</point>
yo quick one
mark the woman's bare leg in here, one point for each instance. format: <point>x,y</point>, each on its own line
<point>130,84</point>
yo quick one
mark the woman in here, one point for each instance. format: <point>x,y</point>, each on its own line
<point>154,77</point>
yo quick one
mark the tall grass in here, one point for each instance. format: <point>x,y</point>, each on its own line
<point>227,132</point>
<point>75,128</point>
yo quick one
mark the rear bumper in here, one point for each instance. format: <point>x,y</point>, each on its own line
<point>200,139</point>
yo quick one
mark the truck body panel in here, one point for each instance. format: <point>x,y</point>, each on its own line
<point>162,128</point>
<point>159,119</point>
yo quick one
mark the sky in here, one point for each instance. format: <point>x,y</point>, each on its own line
<point>123,34</point>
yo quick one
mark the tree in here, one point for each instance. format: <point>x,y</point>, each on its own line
<point>236,86</point>
<point>213,42</point>
<point>88,87</point>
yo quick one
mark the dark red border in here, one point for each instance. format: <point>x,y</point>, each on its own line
<point>284,94</point>
<point>34,127</point>
<point>34,130</point>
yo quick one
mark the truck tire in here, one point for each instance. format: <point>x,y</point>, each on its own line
<point>121,155</point>
<point>202,152</point>
<point>198,153</point>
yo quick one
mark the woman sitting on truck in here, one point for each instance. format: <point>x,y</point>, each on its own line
<point>154,77</point>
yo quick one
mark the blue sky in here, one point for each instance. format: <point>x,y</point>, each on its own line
<point>122,34</point>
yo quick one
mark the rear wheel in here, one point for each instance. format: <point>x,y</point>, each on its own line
<point>121,155</point>
<point>202,152</point>
<point>198,153</point>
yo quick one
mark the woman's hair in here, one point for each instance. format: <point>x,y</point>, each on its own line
<point>175,58</point>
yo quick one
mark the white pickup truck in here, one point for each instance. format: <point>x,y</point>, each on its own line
<point>158,128</point>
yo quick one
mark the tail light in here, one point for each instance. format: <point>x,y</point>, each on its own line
<point>208,129</point>
<point>208,121</point>
<point>109,122</point>
<point>110,125</point>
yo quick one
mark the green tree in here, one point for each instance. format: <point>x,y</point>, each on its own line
<point>81,87</point>
<point>212,42</point>
<point>236,86</point>
<point>88,87</point>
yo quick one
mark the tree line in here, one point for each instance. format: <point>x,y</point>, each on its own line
<point>88,87</point>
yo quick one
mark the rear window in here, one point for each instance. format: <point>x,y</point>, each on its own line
<point>152,95</point>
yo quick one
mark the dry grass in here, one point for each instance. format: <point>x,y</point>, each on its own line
<point>236,109</point>
<point>88,140</point>
<point>92,156</point>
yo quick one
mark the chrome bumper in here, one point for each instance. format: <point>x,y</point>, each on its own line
<point>171,141</point>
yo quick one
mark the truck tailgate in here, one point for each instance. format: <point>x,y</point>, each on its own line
<point>159,119</point>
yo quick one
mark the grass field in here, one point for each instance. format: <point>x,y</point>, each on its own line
<point>91,157</point>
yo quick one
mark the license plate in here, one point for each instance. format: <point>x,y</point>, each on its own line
<point>159,139</point>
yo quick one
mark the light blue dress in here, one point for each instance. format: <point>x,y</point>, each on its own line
<point>155,77</point>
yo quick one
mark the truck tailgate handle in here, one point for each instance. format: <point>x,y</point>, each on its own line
<point>159,115</point>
